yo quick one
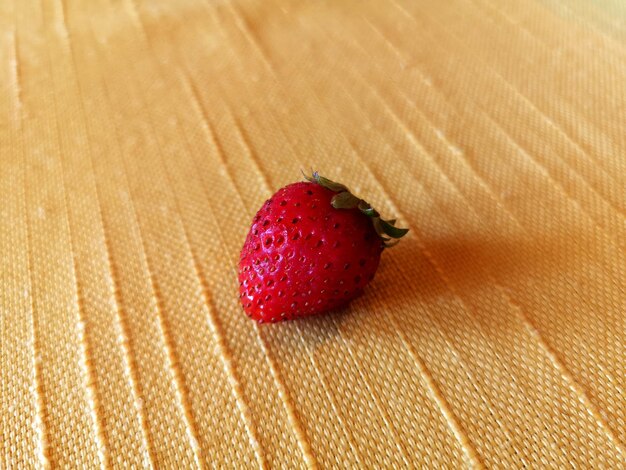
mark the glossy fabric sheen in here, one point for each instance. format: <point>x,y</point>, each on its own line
<point>139,137</point>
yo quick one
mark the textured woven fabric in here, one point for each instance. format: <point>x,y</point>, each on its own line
<point>138,138</point>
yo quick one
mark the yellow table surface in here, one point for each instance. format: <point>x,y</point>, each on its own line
<point>138,138</point>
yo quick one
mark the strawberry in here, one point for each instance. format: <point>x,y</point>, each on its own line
<point>312,247</point>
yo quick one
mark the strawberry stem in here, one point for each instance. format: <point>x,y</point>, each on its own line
<point>344,199</point>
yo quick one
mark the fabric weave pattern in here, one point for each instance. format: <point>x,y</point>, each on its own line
<point>139,137</point>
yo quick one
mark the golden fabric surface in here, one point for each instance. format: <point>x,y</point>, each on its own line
<point>139,137</point>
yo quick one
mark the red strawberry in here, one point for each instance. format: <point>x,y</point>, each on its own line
<point>312,247</point>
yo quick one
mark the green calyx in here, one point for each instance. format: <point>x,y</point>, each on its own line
<point>344,199</point>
